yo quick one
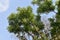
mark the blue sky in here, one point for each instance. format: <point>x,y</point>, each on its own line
<point>8,7</point>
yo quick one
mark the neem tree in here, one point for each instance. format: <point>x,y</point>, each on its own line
<point>26,22</point>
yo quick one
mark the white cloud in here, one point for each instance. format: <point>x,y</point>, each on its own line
<point>4,4</point>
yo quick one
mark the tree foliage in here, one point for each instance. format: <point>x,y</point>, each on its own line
<point>26,21</point>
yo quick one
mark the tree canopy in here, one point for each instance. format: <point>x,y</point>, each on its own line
<point>25,21</point>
